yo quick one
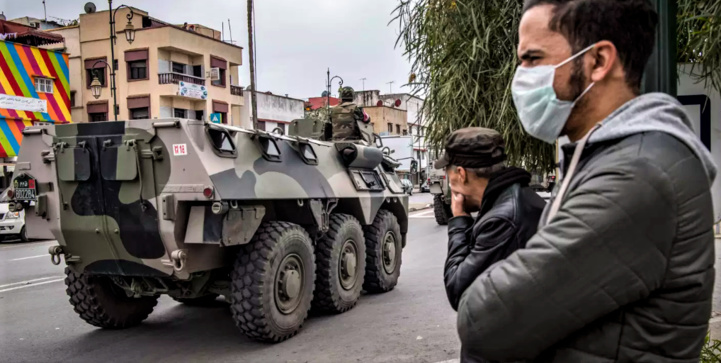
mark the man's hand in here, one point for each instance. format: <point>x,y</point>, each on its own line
<point>457,205</point>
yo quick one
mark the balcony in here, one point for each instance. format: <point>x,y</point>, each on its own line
<point>236,90</point>
<point>168,78</point>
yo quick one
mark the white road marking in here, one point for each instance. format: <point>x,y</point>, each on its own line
<point>30,281</point>
<point>27,258</point>
<point>25,245</point>
<point>424,214</point>
<point>450,361</point>
<point>31,285</point>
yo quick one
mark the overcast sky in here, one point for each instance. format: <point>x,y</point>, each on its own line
<point>297,40</point>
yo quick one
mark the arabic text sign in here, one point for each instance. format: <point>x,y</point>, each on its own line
<point>192,90</point>
<point>23,103</point>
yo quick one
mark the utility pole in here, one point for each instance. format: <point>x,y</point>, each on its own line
<point>253,104</point>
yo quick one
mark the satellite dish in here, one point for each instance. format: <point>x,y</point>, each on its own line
<point>379,103</point>
<point>324,94</point>
<point>89,8</point>
<point>398,103</point>
<point>2,16</point>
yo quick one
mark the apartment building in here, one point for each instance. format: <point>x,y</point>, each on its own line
<point>164,72</point>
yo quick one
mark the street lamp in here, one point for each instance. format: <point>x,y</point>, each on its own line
<point>95,85</point>
<point>328,85</point>
<point>129,29</point>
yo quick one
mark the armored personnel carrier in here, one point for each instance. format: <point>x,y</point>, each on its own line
<point>275,223</point>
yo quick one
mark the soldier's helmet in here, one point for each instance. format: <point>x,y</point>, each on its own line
<point>346,94</point>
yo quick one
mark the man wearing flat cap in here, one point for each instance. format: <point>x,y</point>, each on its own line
<point>508,210</point>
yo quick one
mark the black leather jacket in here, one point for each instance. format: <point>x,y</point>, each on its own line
<point>473,246</point>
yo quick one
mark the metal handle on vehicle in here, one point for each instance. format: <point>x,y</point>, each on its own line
<point>55,252</point>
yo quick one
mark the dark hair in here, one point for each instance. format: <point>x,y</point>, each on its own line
<point>629,24</point>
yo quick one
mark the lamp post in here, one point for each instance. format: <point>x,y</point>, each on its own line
<point>95,85</point>
<point>328,85</point>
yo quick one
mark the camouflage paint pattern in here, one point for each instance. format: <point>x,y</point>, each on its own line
<point>119,194</point>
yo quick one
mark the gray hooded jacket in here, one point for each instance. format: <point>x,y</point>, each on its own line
<point>624,271</point>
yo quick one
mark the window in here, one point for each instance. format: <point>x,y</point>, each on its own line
<point>199,115</point>
<point>72,98</point>
<point>398,129</point>
<point>221,141</point>
<point>221,81</point>
<point>178,68</point>
<point>405,132</point>
<point>97,66</point>
<point>420,131</point>
<point>390,128</point>
<point>138,69</point>
<point>180,113</point>
<point>44,85</point>
<point>98,116</point>
<point>89,74</point>
<point>139,113</point>
<point>261,125</point>
<point>222,65</point>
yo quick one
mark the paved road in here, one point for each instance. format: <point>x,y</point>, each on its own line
<point>413,323</point>
<point>421,198</point>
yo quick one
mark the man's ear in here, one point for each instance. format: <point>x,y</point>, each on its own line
<point>605,61</point>
<point>462,175</point>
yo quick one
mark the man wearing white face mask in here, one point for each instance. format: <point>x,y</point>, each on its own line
<point>621,268</point>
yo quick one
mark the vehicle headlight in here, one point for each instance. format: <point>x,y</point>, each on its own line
<point>12,215</point>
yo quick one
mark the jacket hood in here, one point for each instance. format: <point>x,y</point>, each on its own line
<point>655,112</point>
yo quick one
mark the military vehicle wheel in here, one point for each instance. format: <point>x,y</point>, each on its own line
<point>100,302</point>
<point>383,253</point>
<point>441,210</point>
<point>272,282</point>
<point>340,264</point>
<point>207,300</point>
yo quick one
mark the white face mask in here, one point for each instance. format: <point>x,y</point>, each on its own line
<point>542,114</point>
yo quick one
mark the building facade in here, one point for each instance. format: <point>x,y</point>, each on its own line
<point>34,88</point>
<point>165,72</point>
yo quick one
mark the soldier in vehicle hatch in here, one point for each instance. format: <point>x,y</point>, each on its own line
<point>344,117</point>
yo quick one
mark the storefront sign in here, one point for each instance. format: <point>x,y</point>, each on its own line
<point>4,36</point>
<point>23,103</point>
<point>192,90</point>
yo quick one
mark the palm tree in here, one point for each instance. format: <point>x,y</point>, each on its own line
<point>463,60</point>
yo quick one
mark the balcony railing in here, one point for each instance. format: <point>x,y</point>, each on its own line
<point>168,78</point>
<point>236,90</point>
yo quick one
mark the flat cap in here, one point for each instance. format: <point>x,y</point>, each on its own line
<point>473,147</point>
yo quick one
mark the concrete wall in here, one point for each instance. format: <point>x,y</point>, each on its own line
<point>272,108</point>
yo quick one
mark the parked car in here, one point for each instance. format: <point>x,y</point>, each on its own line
<point>425,188</point>
<point>12,224</point>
